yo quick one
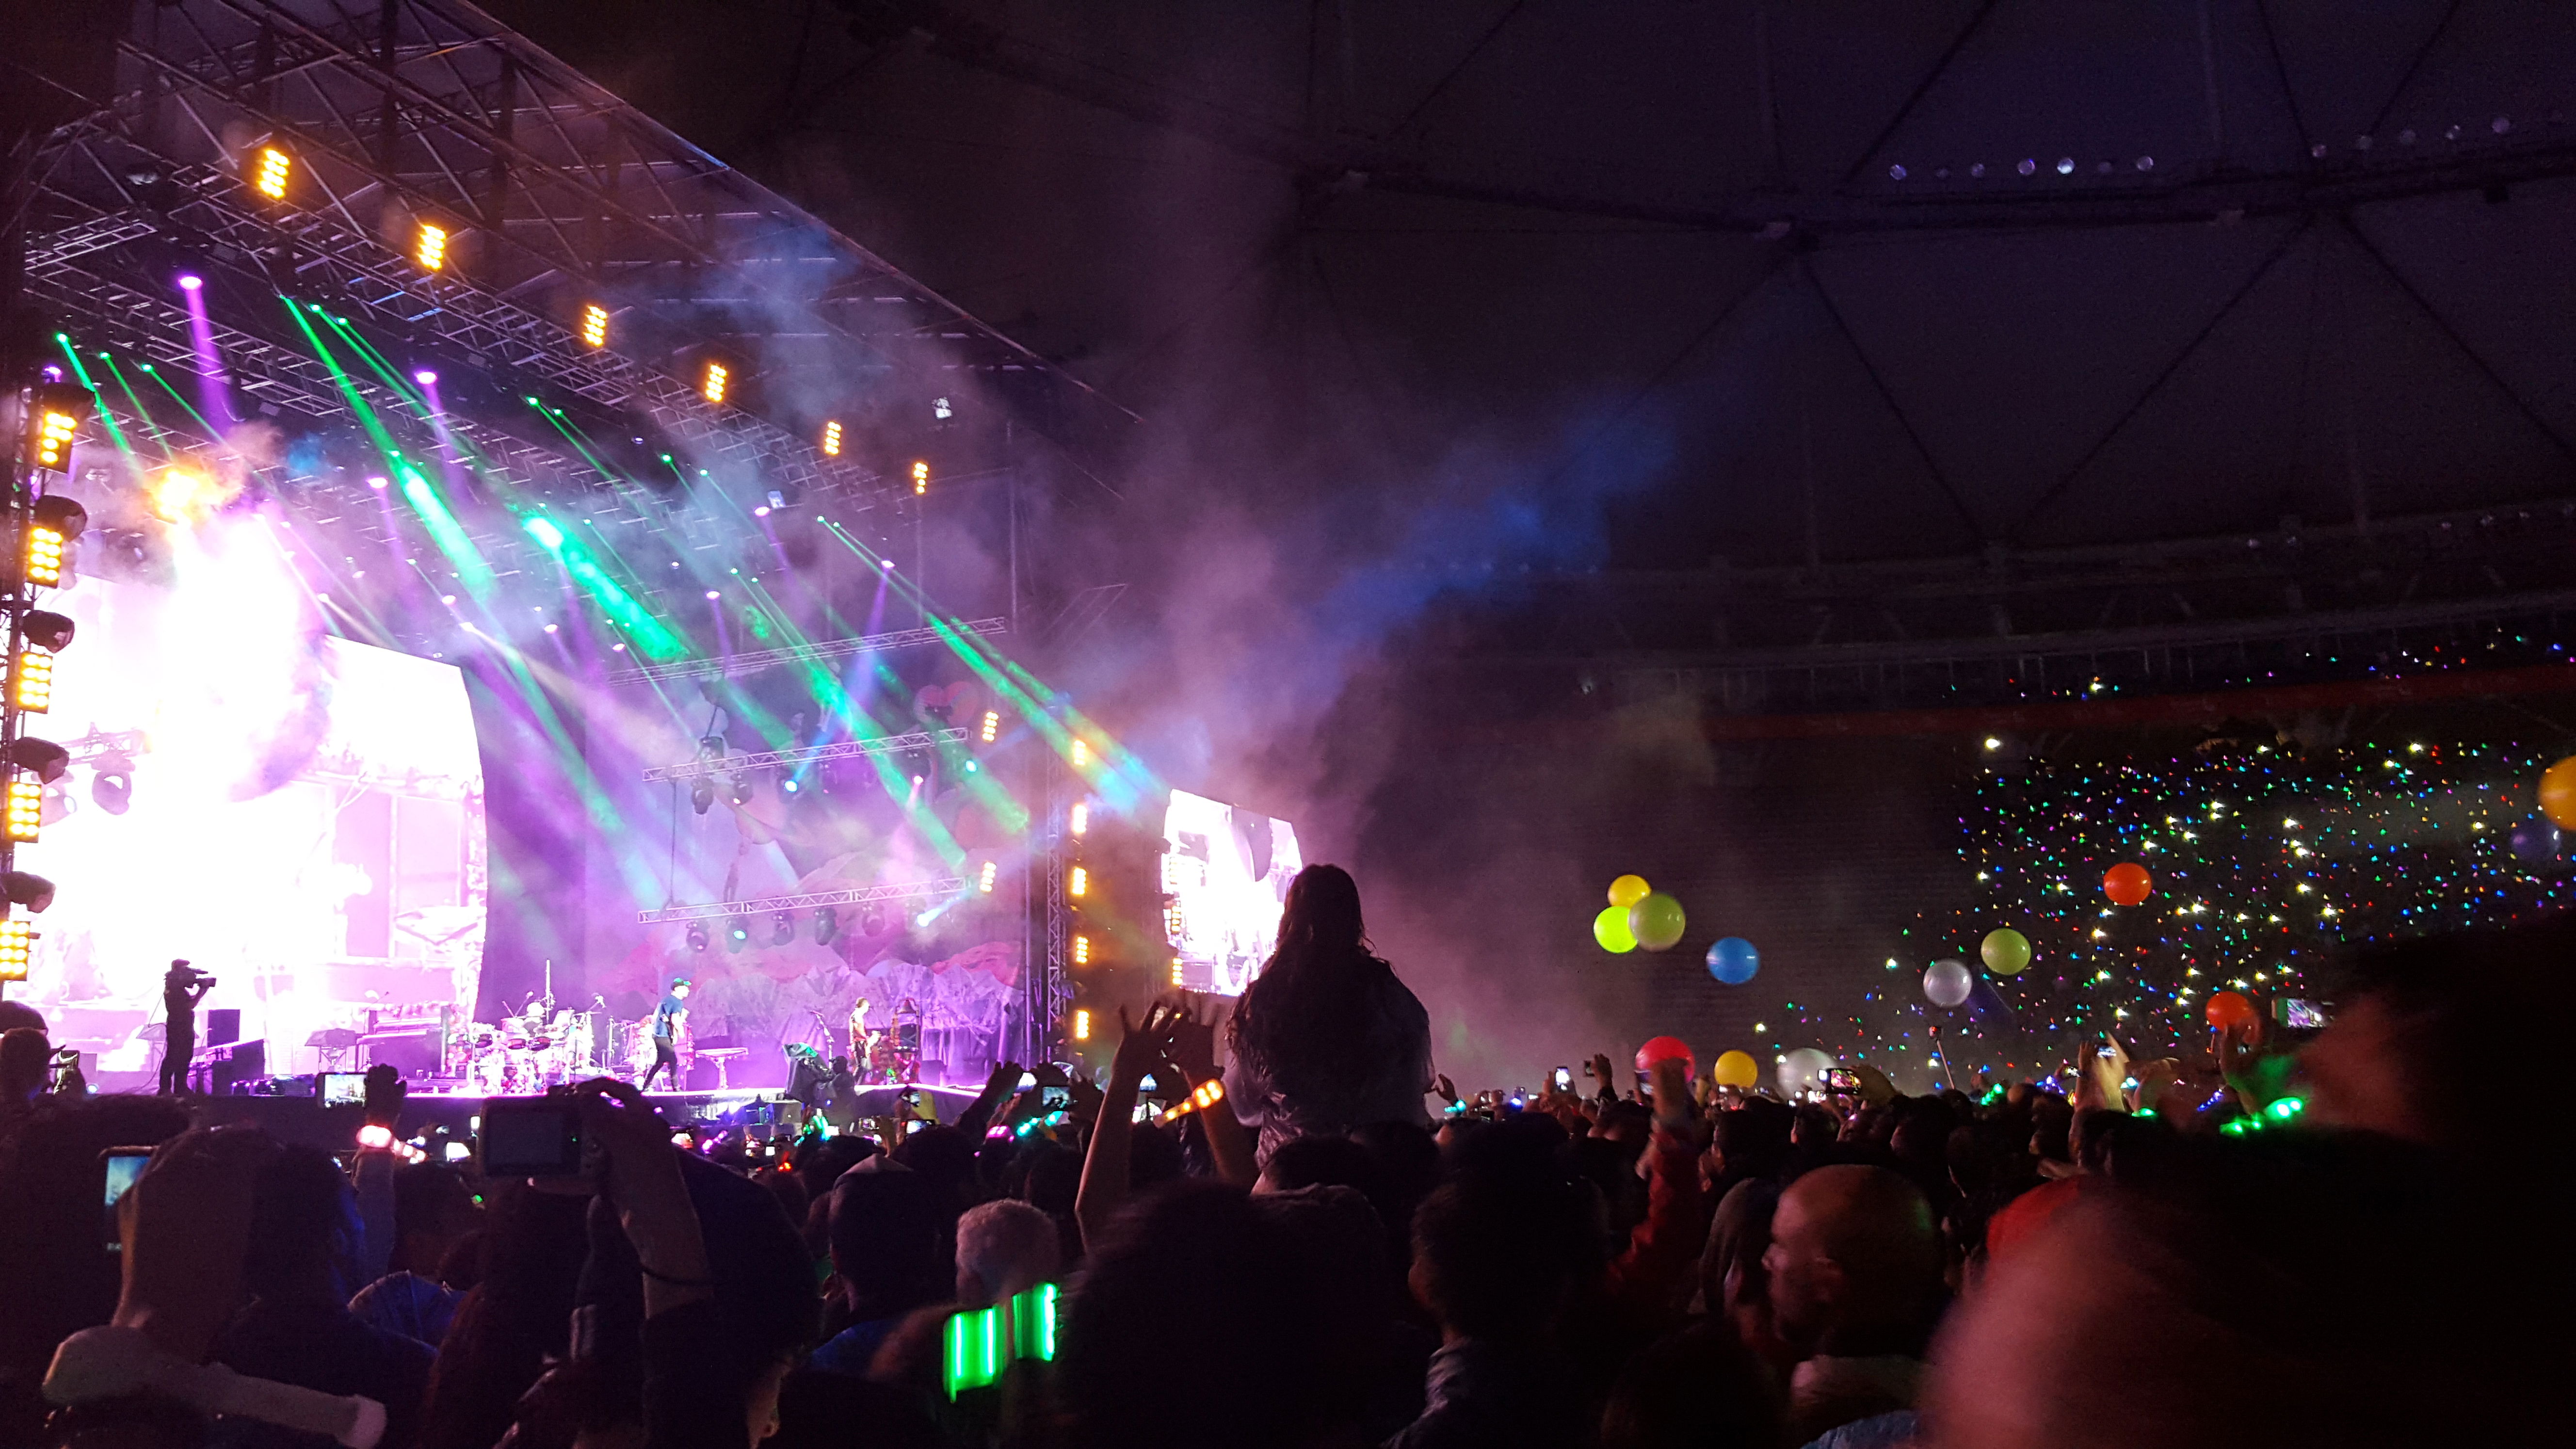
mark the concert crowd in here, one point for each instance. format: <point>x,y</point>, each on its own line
<point>2343,1236</point>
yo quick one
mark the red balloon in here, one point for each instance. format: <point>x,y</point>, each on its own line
<point>2228,1008</point>
<point>2128,884</point>
<point>1661,1048</point>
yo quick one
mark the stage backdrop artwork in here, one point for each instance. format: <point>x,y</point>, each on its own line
<point>297,814</point>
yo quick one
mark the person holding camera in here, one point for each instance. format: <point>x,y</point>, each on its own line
<point>182,987</point>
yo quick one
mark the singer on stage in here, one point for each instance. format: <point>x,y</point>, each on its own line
<point>666,1030</point>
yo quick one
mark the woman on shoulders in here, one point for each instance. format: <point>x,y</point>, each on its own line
<point>1326,1038</point>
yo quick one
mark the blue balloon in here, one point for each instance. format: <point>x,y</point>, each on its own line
<point>1733,960</point>
<point>1986,1005</point>
<point>2534,842</point>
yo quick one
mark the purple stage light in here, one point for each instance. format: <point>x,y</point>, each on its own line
<point>376,483</point>
<point>761,512</point>
<point>190,281</point>
<point>425,377</point>
<point>715,593</point>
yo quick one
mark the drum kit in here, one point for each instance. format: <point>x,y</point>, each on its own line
<point>543,1047</point>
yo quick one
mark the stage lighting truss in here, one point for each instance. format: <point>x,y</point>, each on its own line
<point>1077,821</point>
<point>24,810</point>
<point>753,663</point>
<point>1082,1023</point>
<point>51,526</point>
<point>1077,882</point>
<point>811,900</point>
<point>744,766</point>
<point>17,948</point>
<point>31,680</point>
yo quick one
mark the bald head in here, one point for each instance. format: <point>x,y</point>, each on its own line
<point>1855,1261</point>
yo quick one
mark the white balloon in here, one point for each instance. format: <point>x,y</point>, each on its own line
<point>1802,1070</point>
<point>1948,982</point>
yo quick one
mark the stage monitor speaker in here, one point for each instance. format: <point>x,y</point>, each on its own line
<point>223,1025</point>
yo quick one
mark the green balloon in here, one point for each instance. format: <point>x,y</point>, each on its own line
<point>1656,921</point>
<point>2005,951</point>
<point>1610,928</point>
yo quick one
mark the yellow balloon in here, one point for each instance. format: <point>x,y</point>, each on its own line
<point>2557,797</point>
<point>1734,1069</point>
<point>1627,890</point>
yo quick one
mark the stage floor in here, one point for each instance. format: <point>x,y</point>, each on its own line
<point>437,1116</point>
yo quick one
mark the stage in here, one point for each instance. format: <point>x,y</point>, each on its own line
<point>442,1121</point>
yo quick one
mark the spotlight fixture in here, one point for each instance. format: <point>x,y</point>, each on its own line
<point>425,378</point>
<point>31,680</point>
<point>55,523</point>
<point>743,788</point>
<point>737,932</point>
<point>24,809</point>
<point>992,725</point>
<point>46,630</point>
<point>594,325</point>
<point>782,929</point>
<point>873,923</point>
<point>920,478</point>
<point>984,882</point>
<point>269,168</point>
<point>698,936</point>
<point>711,384</point>
<point>702,795</point>
<point>32,891</point>
<point>17,948</point>
<point>831,440</point>
<point>112,788</point>
<point>190,281</point>
<point>1082,1023</point>
<point>1078,820</point>
<point>790,785</point>
<point>429,247</point>
<point>42,758</point>
<point>827,924</point>
<point>1078,883</point>
<point>58,410</point>
<point>1081,950</point>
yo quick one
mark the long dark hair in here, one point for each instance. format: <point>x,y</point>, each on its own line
<point>1303,1015</point>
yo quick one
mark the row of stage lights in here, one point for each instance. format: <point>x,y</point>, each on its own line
<point>269,169</point>
<point>46,528</point>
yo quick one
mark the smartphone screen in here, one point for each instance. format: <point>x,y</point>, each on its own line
<point>1056,1099</point>
<point>1564,1078</point>
<point>1028,1080</point>
<point>124,1165</point>
<point>341,1089</point>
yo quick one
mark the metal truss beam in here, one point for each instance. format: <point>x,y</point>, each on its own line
<point>814,900</point>
<point>714,765</point>
<point>733,664</point>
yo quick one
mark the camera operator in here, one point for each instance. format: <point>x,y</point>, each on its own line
<point>182,987</point>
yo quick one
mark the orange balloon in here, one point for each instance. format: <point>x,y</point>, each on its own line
<point>2228,1008</point>
<point>2558,793</point>
<point>2128,884</point>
